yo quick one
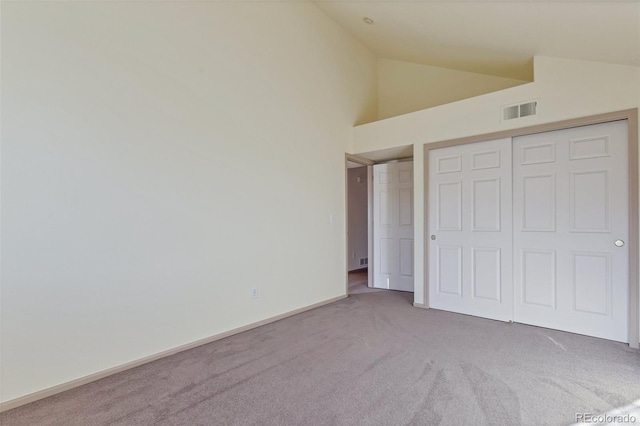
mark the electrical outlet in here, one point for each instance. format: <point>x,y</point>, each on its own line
<point>253,293</point>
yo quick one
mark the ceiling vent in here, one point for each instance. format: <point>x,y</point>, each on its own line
<point>521,110</point>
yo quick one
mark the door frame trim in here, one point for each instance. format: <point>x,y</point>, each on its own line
<point>631,115</point>
<point>369,164</point>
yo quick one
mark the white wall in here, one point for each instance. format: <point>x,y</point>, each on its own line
<point>358,208</point>
<point>158,160</point>
<point>564,89</point>
<point>405,87</point>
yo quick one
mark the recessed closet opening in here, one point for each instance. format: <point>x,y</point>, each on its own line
<point>538,226</point>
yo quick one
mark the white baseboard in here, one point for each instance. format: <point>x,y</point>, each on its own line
<point>419,305</point>
<point>45,393</point>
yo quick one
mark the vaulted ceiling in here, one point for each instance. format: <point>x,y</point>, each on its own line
<point>493,37</point>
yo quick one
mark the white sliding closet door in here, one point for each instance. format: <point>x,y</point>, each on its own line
<point>570,208</point>
<point>554,256</point>
<point>393,226</point>
<point>470,260</point>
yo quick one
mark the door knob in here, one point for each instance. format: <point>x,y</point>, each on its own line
<point>619,243</point>
<point>433,237</point>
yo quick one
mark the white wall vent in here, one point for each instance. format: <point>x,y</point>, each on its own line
<point>511,112</point>
<point>521,110</point>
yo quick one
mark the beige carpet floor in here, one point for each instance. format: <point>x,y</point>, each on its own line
<point>371,359</point>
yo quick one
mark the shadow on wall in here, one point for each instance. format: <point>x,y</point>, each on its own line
<point>405,87</point>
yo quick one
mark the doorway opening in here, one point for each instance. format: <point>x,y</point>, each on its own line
<point>379,231</point>
<point>359,230</point>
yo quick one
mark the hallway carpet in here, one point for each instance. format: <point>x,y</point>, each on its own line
<point>371,359</point>
<point>358,282</point>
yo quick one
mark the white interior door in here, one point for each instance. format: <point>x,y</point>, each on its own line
<point>393,226</point>
<point>470,257</point>
<point>570,207</point>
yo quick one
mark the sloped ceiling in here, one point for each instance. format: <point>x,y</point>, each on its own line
<point>498,37</point>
